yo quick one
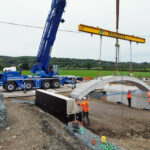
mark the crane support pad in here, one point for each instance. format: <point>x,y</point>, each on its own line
<point>111,34</point>
<point>61,107</point>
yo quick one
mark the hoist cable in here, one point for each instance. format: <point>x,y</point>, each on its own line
<point>117,42</point>
<point>100,55</point>
<point>130,58</point>
<point>118,50</point>
<point>117,15</point>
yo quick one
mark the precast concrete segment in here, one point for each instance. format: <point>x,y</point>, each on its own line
<point>100,82</point>
<point>62,107</point>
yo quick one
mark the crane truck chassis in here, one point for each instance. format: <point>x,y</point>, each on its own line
<point>13,80</point>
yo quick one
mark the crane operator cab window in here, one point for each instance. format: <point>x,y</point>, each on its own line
<point>54,70</point>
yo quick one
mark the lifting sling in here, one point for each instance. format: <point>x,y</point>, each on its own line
<point>99,73</point>
<point>131,59</point>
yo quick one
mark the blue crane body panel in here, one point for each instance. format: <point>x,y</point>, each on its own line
<point>49,36</point>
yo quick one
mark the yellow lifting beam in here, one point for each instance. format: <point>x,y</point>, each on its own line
<point>99,31</point>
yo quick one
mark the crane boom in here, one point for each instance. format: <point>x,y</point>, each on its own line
<point>49,35</point>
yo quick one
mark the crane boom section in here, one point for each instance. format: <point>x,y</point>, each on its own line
<point>99,31</point>
<point>49,34</point>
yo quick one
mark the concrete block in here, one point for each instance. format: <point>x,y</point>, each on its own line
<point>62,107</point>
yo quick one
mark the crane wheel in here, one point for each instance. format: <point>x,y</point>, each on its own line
<point>10,86</point>
<point>29,85</point>
<point>46,84</point>
<point>56,84</point>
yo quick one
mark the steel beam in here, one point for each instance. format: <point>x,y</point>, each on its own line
<point>111,34</point>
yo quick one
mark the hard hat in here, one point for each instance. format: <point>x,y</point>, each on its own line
<point>84,98</point>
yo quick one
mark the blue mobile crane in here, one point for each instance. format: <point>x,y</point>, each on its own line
<point>46,76</point>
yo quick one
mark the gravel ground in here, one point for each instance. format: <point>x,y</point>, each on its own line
<point>126,127</point>
<point>30,129</point>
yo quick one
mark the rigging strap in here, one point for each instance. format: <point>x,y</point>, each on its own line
<point>130,58</point>
<point>100,61</point>
<point>117,45</point>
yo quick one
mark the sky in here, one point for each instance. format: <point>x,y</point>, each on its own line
<point>21,41</point>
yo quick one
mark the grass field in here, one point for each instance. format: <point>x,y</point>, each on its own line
<point>93,73</point>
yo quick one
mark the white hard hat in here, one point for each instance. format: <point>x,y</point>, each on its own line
<point>84,98</point>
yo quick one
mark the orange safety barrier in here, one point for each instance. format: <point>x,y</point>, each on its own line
<point>87,78</point>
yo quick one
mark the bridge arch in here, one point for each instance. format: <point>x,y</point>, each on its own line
<point>100,82</point>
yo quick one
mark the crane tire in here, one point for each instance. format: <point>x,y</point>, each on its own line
<point>56,84</point>
<point>46,84</point>
<point>10,86</point>
<point>29,85</point>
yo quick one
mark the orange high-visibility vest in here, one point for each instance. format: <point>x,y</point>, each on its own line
<point>76,101</point>
<point>148,94</point>
<point>85,106</point>
<point>128,95</point>
<point>52,70</point>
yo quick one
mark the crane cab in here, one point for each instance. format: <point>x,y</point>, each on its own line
<point>54,70</point>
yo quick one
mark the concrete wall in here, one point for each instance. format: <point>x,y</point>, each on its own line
<point>139,100</point>
<point>117,93</point>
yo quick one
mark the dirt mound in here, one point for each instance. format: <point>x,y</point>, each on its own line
<point>29,128</point>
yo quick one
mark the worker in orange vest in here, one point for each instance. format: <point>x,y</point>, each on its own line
<point>85,108</point>
<point>76,100</point>
<point>129,96</point>
<point>148,94</point>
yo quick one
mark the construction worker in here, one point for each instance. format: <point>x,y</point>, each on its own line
<point>129,96</point>
<point>85,108</point>
<point>75,82</point>
<point>76,100</point>
<point>148,94</point>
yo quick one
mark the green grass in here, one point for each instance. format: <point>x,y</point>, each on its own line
<point>26,72</point>
<point>93,73</point>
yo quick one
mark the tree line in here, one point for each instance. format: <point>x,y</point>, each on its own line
<point>26,63</point>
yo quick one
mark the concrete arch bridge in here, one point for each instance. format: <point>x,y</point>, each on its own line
<point>100,82</point>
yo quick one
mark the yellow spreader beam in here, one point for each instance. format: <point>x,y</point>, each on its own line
<point>99,31</point>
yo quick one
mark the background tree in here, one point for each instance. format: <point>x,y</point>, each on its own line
<point>25,66</point>
<point>88,65</point>
<point>1,68</point>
